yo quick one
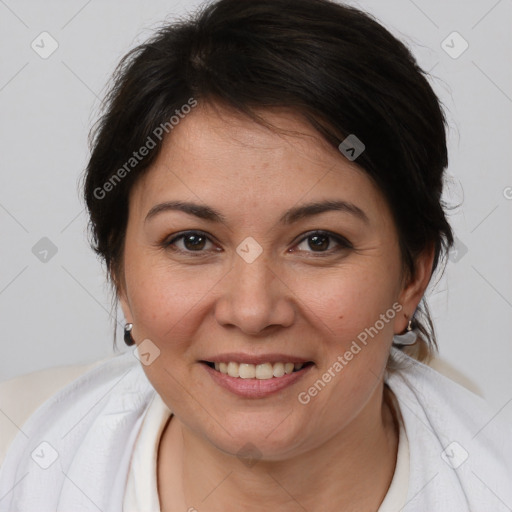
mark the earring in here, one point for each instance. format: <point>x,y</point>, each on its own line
<point>409,337</point>
<point>128,335</point>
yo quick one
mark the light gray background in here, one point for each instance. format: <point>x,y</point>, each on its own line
<point>57,312</point>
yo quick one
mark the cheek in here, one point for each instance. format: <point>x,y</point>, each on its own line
<point>165,300</point>
<point>349,302</point>
<point>354,311</point>
<point>168,308</point>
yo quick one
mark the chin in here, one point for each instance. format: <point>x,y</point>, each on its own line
<point>267,436</point>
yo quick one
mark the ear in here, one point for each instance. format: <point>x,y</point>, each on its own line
<point>123,301</point>
<point>412,292</point>
<point>120,286</point>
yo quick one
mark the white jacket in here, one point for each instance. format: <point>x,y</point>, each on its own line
<point>84,435</point>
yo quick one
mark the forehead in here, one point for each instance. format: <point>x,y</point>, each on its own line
<point>219,156</point>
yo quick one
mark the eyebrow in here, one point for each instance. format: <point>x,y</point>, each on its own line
<point>291,216</point>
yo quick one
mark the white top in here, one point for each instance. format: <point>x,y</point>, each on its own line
<point>142,491</point>
<point>76,451</point>
<point>141,488</point>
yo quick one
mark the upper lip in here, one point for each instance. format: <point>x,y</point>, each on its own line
<point>239,357</point>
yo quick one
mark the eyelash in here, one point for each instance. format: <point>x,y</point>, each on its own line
<point>341,241</point>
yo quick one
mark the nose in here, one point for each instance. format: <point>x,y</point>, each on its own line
<point>254,298</point>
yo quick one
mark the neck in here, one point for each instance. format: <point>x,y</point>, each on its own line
<point>351,471</point>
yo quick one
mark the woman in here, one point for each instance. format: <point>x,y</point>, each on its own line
<point>265,190</point>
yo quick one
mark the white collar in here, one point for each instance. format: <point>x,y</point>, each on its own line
<point>93,423</point>
<point>142,489</point>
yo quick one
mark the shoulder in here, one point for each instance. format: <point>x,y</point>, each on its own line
<point>90,422</point>
<point>21,396</point>
<point>452,404</point>
<point>453,434</point>
<point>444,413</point>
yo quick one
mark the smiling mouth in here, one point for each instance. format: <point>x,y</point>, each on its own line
<point>264,371</point>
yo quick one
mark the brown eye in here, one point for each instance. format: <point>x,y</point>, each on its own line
<point>191,241</point>
<point>194,242</point>
<point>323,242</point>
<point>320,242</point>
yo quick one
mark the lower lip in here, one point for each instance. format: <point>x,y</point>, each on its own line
<point>255,388</point>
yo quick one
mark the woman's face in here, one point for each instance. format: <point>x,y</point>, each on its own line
<point>248,274</point>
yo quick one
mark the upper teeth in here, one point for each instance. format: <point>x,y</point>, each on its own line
<point>257,371</point>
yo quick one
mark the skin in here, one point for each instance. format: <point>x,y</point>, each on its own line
<point>338,452</point>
